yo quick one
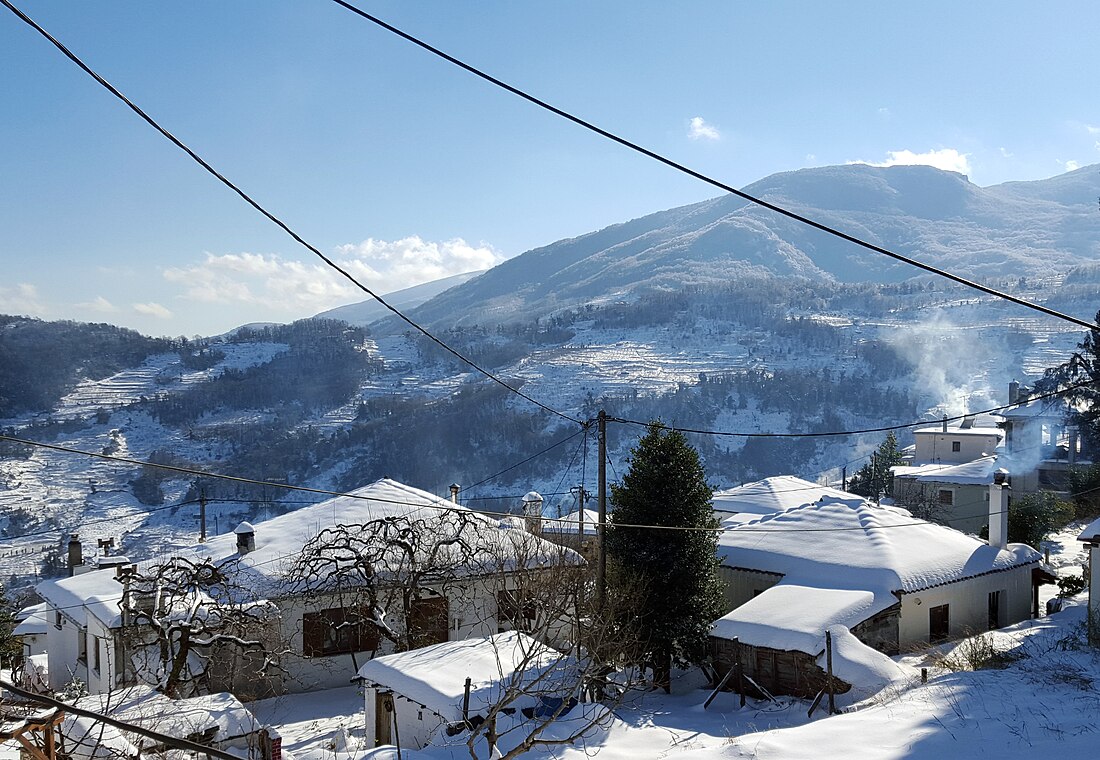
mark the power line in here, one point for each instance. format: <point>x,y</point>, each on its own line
<point>170,741</point>
<point>835,433</point>
<point>274,219</point>
<point>703,177</point>
<point>533,456</point>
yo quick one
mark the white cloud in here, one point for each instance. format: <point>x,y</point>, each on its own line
<point>99,304</point>
<point>884,113</point>
<point>152,309</point>
<point>21,299</point>
<point>1005,153</point>
<point>1070,166</point>
<point>947,159</point>
<point>296,288</point>
<point>698,129</point>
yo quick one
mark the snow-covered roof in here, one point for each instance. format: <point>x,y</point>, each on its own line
<point>279,541</point>
<point>33,620</point>
<point>435,676</point>
<point>1091,533</point>
<point>978,472</point>
<point>143,706</point>
<point>770,495</point>
<point>850,543</point>
<point>794,618</point>
<point>957,432</point>
<point>98,592</point>
<point>570,523</point>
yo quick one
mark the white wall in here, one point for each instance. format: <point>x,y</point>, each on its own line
<point>968,602</point>
<point>472,612</point>
<point>935,447</point>
<point>416,726</point>
<point>62,648</point>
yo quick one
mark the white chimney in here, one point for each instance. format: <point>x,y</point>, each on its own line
<point>998,509</point>
<point>532,511</point>
<point>246,538</point>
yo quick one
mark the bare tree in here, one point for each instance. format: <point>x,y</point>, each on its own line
<point>392,578</point>
<point>407,578</point>
<point>191,626</point>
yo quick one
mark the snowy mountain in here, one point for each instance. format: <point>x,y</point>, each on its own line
<point>712,316</point>
<point>1020,229</point>
<point>365,312</point>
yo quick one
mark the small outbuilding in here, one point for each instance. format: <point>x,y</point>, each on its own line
<point>435,694</point>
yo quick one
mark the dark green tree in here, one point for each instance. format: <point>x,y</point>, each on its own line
<point>675,570</point>
<point>1033,517</point>
<point>874,479</point>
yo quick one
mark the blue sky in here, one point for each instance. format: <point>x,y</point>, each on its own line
<point>407,169</point>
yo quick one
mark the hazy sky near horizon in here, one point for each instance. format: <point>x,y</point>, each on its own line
<point>406,169</point>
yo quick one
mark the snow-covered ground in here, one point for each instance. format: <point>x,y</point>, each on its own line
<point>1046,700</point>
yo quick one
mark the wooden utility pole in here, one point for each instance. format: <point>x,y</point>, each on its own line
<point>202,516</point>
<point>601,500</point>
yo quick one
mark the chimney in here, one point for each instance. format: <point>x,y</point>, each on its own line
<point>998,509</point>
<point>532,512</point>
<point>246,538</point>
<point>455,488</point>
<point>1013,392</point>
<point>76,554</point>
<point>945,423</point>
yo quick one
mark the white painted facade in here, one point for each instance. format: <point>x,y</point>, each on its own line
<point>936,445</point>
<point>968,605</point>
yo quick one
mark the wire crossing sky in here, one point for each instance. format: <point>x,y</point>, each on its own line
<point>407,172</point>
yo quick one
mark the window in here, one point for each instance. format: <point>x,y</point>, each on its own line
<point>938,623</point>
<point>428,619</point>
<point>96,653</point>
<point>956,446</point>
<point>57,619</point>
<point>337,631</point>
<point>82,646</point>
<point>945,497</point>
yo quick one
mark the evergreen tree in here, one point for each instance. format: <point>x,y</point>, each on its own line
<point>676,570</point>
<point>874,479</point>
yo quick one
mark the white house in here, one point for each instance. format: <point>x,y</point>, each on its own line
<point>893,580</point>
<point>945,443</point>
<point>1090,536</point>
<point>83,620</point>
<point>314,619</point>
<point>1040,448</point>
<point>956,495</point>
<point>433,695</point>
<point>32,627</point>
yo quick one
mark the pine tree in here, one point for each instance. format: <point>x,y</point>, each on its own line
<point>676,570</point>
<point>875,479</point>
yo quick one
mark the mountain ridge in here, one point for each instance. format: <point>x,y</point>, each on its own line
<point>939,217</point>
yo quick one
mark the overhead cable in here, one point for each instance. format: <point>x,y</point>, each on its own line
<point>276,220</point>
<point>705,178</point>
<point>835,433</point>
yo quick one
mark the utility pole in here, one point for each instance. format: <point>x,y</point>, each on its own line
<point>202,516</point>
<point>844,478</point>
<point>601,500</point>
